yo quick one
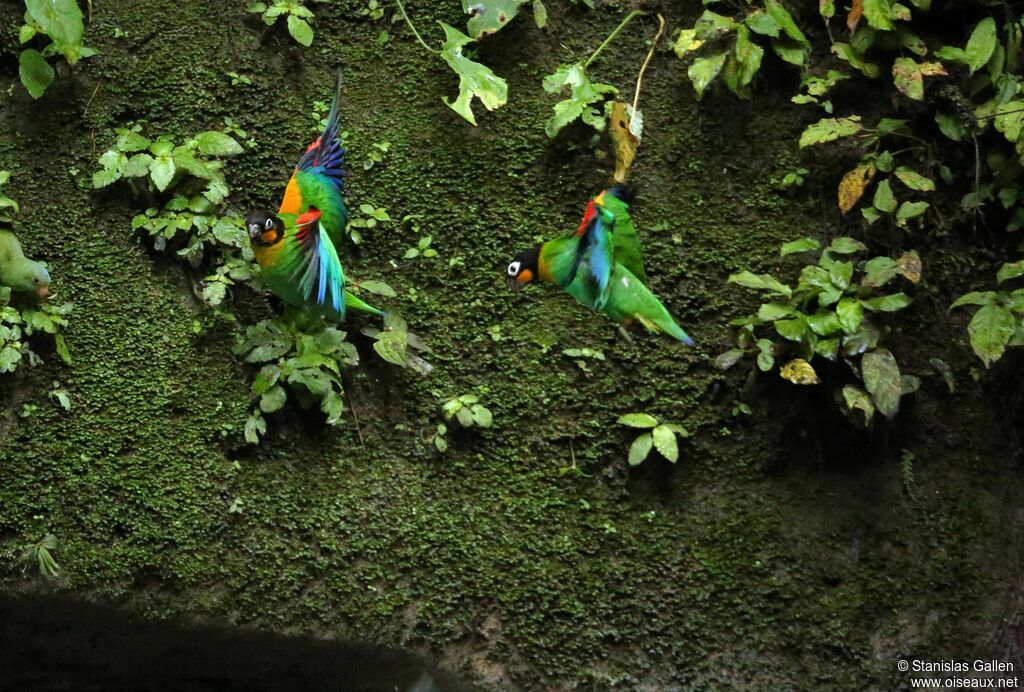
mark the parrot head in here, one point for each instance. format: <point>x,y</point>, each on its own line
<point>32,277</point>
<point>523,269</point>
<point>264,228</point>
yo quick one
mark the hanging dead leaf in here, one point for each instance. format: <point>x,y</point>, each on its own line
<point>853,184</point>
<point>626,143</point>
<point>856,11</point>
<point>799,371</point>
<point>909,265</point>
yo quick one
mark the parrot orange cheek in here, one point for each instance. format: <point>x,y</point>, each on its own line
<point>525,277</point>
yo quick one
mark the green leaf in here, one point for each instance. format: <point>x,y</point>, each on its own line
<point>540,14</point>
<point>793,330</point>
<point>882,380</point>
<point>850,313</point>
<point>840,274</point>
<point>36,74</point>
<point>1010,119</point>
<point>1010,270</point>
<point>830,129</point>
<point>914,180</point>
<point>728,359</point>
<point>824,323</point>
<point>761,22</point>
<point>640,448</point>
<point>879,14</point>
<point>475,80</point>
<point>665,442</point>
<point>214,143</point>
<point>300,30</point>
<point>710,26</point>
<point>61,20</point>
<point>638,420</point>
<point>975,298</point>
<point>378,288</point>
<point>981,44</point>
<point>490,16</point>
<point>584,97</point>
<point>785,20</point>
<point>889,303</point>
<point>990,330</point>
<point>884,199</point>
<point>802,245</point>
<point>162,172</point>
<point>62,348</point>
<point>138,165</point>
<point>255,426</point>
<point>911,210</point>
<point>766,357</point>
<point>704,70</point>
<point>482,416</point>
<point>769,312</point>
<point>857,399</point>
<point>761,282</point>
<point>879,271</point>
<point>273,399</point>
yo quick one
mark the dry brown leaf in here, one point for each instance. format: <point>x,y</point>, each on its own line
<point>932,69</point>
<point>909,265</point>
<point>625,141</point>
<point>856,11</point>
<point>853,184</point>
<point>799,371</point>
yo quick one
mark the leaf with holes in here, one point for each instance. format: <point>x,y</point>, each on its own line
<point>475,80</point>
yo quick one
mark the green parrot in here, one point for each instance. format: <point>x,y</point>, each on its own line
<point>297,249</point>
<point>601,266</point>
<point>18,272</point>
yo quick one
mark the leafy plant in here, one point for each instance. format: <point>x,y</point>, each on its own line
<point>468,411</point>
<point>440,438</point>
<point>61,22</point>
<point>999,321</point>
<point>718,45</point>
<point>298,16</point>
<point>60,395</point>
<point>371,216</point>
<point>475,80</point>
<point>239,79</point>
<point>833,313</point>
<point>376,154</point>
<point>581,355</point>
<point>7,205</point>
<point>422,249</point>
<point>659,436</point>
<point>41,555</point>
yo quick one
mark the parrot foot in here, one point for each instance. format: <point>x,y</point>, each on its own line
<point>625,335</point>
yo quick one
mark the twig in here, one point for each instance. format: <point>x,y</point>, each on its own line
<point>647,60</point>
<point>355,417</point>
<point>84,112</point>
<point>411,26</point>
<point>622,25</point>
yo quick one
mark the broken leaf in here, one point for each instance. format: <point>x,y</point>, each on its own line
<point>799,371</point>
<point>475,80</point>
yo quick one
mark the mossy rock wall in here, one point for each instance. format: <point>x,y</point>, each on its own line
<point>782,552</point>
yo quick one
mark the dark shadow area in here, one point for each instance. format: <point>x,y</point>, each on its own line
<point>53,643</point>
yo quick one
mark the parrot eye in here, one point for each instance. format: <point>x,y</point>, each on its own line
<point>513,269</point>
<point>268,224</point>
<point>35,280</point>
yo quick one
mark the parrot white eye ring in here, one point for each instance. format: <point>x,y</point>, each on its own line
<point>513,269</point>
<point>268,224</point>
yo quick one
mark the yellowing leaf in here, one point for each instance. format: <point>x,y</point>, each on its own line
<point>853,184</point>
<point>626,143</point>
<point>909,265</point>
<point>856,12</point>
<point>799,371</point>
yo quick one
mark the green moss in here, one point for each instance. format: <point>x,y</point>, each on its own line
<point>484,557</point>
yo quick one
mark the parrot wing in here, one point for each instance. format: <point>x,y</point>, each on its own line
<point>597,247</point>
<point>628,252</point>
<point>326,155</point>
<point>313,263</point>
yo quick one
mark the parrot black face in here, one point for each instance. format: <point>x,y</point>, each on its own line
<point>523,269</point>
<point>264,228</point>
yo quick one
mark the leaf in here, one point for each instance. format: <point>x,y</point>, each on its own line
<point>1010,119</point>
<point>990,330</point>
<point>785,20</point>
<point>865,338</point>
<point>1010,270</point>
<point>830,129</point>
<point>482,416</point>
<point>728,359</point>
<point>475,80</point>
<point>879,14</point>
<point>884,199</point>
<point>799,371</point>
<point>914,180</point>
<point>687,42</point>
<point>36,74</point>
<point>665,442</point>
<point>879,271</point>
<point>255,426</point>
<point>975,298</point>
<point>910,210</point>
<point>710,26</point>
<point>300,30</point>
<point>761,22</point>
<point>704,70</point>
<point>889,303</point>
<point>378,288</point>
<point>857,399</point>
<point>824,323</point>
<point>162,172</point>
<point>882,380</point>
<point>640,448</point>
<point>908,76</point>
<point>540,14</point>
<point>625,141</point>
<point>981,44</point>
<point>766,358</point>
<point>769,312</point>
<point>844,245</point>
<point>742,63</point>
<point>487,17</point>
<point>213,143</point>
<point>910,267</point>
<point>853,184</point>
<point>946,372</point>
<point>61,346</point>
<point>273,399</point>
<point>638,420</point>
<point>846,52</point>
<point>61,20</point>
<point>760,281</point>
<point>850,313</point>
<point>802,245</point>
<point>840,274</point>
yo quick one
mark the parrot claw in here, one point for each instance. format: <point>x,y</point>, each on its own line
<point>625,335</point>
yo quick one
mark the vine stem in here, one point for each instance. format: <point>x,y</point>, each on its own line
<point>611,37</point>
<point>647,60</point>
<point>411,26</point>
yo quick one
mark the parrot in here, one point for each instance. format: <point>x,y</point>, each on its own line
<point>297,248</point>
<point>18,272</point>
<point>601,266</point>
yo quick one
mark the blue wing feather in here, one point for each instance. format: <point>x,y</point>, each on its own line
<point>326,156</point>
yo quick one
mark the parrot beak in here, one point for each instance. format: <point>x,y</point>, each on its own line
<point>254,231</point>
<point>43,291</point>
<point>514,284</point>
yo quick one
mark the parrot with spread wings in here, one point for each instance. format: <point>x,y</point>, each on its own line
<point>297,248</point>
<point>601,266</point>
